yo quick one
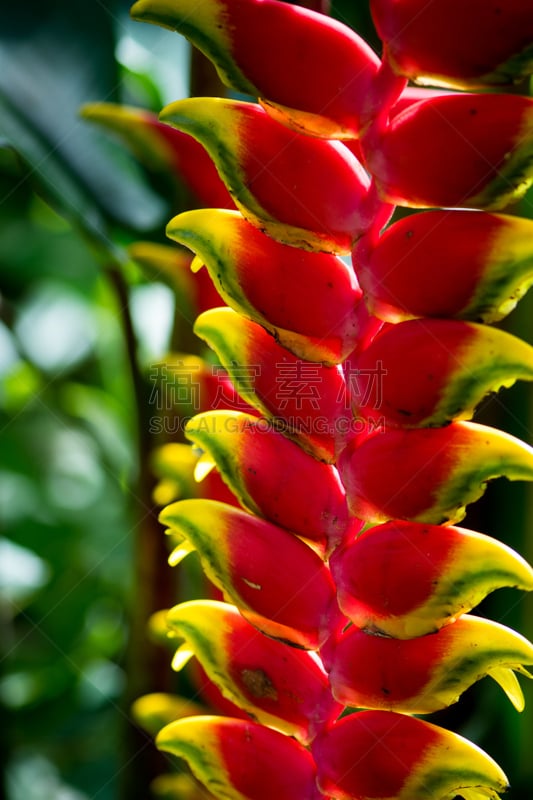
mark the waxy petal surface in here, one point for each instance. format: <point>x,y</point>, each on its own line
<point>276,285</point>
<point>466,264</point>
<point>260,568</point>
<point>306,498</point>
<point>300,190</point>
<point>450,43</point>
<point>280,686</point>
<point>451,365</point>
<point>174,154</point>
<point>239,760</point>
<point>240,37</point>
<point>407,579</point>
<point>425,674</point>
<point>428,475</point>
<point>472,169</point>
<point>380,754</point>
<point>306,401</point>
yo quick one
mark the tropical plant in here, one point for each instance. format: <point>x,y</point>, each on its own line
<point>346,579</point>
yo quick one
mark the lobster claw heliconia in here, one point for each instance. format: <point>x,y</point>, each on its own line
<point>349,584</point>
<point>164,150</point>
<point>275,580</point>
<point>275,284</point>
<point>241,138</point>
<point>309,500</point>
<point>381,754</point>
<point>240,37</point>
<point>453,43</point>
<point>427,673</point>
<point>452,365</point>
<point>481,265</point>
<point>242,760</point>
<point>308,401</point>
<point>407,579</point>
<point>278,685</point>
<point>472,170</point>
<point>428,474</point>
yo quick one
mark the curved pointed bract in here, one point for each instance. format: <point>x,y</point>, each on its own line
<point>428,673</point>
<point>278,685</point>
<point>260,568</point>
<point>153,711</point>
<point>472,170</point>
<point>408,579</point>
<point>429,474</point>
<point>240,760</point>
<point>450,43</point>
<point>307,498</point>
<point>164,150</point>
<point>305,400</point>
<point>167,262</point>
<point>300,190</point>
<point>380,754</point>
<point>465,264</point>
<point>240,37</point>
<point>451,366</point>
<point>276,285</point>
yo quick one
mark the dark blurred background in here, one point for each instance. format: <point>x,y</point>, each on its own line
<point>80,328</point>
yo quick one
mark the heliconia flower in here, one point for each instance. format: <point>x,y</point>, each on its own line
<point>407,579</point>
<point>240,37</point>
<point>308,499</point>
<point>275,284</point>
<point>194,294</point>
<point>428,474</point>
<point>300,190</point>
<point>451,366</point>
<point>428,673</point>
<point>425,42</point>
<point>468,264</point>
<point>278,685</point>
<point>174,465</point>
<point>306,400</point>
<point>153,711</point>
<point>381,754</point>
<point>241,760</point>
<point>472,170</point>
<point>164,150</point>
<point>262,569</point>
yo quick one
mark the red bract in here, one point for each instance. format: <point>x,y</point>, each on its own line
<point>447,264</point>
<point>275,284</point>
<point>427,673</point>
<point>451,366</point>
<point>240,36</point>
<point>300,190</point>
<point>453,43</point>
<point>437,152</point>
<point>407,579</point>
<point>241,554</point>
<point>361,457</point>
<point>164,150</point>
<point>279,685</point>
<point>308,500</point>
<point>305,400</point>
<point>378,754</point>
<point>430,474</point>
<point>239,759</point>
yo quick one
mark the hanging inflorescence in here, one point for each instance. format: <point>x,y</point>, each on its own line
<point>352,455</point>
